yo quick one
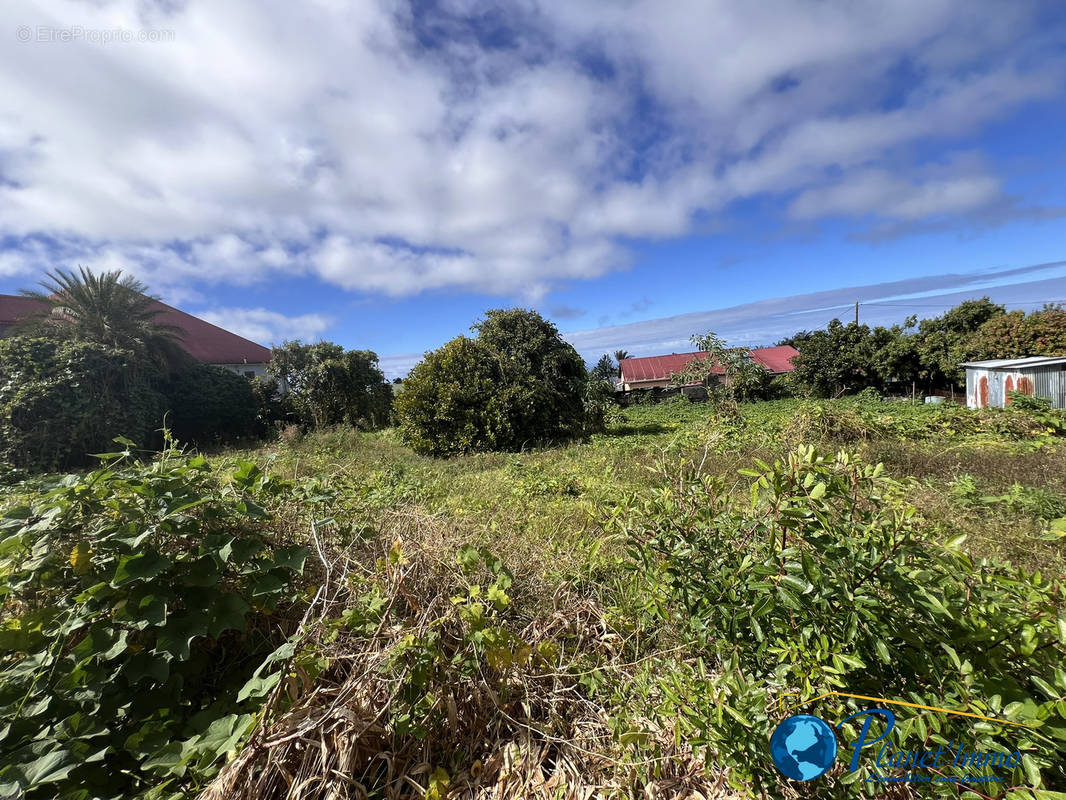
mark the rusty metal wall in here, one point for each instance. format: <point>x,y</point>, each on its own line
<point>990,386</point>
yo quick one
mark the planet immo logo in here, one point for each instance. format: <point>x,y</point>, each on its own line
<point>804,747</point>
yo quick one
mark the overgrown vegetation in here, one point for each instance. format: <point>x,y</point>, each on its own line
<point>95,362</point>
<point>138,599</point>
<point>581,601</point>
<point>846,358</point>
<point>626,615</point>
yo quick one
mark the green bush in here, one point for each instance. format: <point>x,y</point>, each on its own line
<point>208,404</point>
<point>324,384</point>
<point>517,385</point>
<point>450,402</point>
<point>129,634</point>
<point>62,400</point>
<point>825,582</point>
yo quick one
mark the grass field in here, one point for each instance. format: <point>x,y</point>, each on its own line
<point>999,484</point>
<point>622,616</point>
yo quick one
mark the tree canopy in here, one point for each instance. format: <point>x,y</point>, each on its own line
<point>517,384</point>
<point>326,385</point>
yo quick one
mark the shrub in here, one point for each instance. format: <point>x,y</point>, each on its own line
<point>208,404</point>
<point>824,581</point>
<point>517,384</point>
<point>599,404</point>
<point>543,377</point>
<point>62,400</point>
<point>291,435</point>
<point>450,402</point>
<point>129,629</point>
<point>324,384</point>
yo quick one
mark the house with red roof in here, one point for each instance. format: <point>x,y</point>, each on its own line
<point>652,371</point>
<point>205,342</point>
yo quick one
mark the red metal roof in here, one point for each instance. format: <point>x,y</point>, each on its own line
<point>210,343</point>
<point>660,368</point>
<point>202,340</point>
<point>13,308</point>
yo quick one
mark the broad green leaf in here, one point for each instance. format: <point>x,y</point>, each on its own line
<point>49,768</point>
<point>228,612</point>
<point>291,558</point>
<point>176,636</point>
<point>140,567</point>
<point>788,599</point>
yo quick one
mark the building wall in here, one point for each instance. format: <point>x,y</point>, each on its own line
<point>990,387</point>
<point>644,385</point>
<point>256,370</point>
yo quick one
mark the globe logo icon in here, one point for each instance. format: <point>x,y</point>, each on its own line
<point>803,747</point>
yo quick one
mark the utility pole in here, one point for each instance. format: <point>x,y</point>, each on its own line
<point>856,313</point>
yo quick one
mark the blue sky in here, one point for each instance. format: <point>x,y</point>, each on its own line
<point>380,173</point>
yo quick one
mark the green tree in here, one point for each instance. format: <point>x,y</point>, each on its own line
<point>620,356</point>
<point>944,342</point>
<point>1017,334</point>
<point>604,370</point>
<point>451,403</point>
<point>841,359</point>
<point>110,309</point>
<point>210,404</point>
<point>543,376</point>
<point>328,385</point>
<point>896,357</point>
<point>63,399</point>
<point>729,373</point>
<point>517,384</point>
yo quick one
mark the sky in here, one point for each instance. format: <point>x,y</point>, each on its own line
<point>381,173</point>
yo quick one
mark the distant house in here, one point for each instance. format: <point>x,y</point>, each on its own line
<point>205,342</point>
<point>652,371</point>
<point>988,383</point>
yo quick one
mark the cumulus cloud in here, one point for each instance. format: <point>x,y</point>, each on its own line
<point>267,327</point>
<point>393,149</point>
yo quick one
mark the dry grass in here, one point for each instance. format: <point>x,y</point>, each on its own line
<point>520,727</point>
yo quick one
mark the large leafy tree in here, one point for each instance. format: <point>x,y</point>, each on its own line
<point>451,401</point>
<point>517,384</point>
<point>896,357</point>
<point>1017,334</point>
<point>838,360</point>
<point>327,385</point>
<point>107,308</point>
<point>945,341</point>
<point>543,376</point>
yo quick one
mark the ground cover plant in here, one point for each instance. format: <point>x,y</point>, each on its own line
<point>618,617</point>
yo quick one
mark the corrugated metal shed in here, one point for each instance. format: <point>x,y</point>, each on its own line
<point>989,383</point>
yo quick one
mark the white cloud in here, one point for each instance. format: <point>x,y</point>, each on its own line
<point>267,327</point>
<point>391,152</point>
<point>883,194</point>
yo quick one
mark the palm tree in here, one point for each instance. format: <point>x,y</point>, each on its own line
<point>620,356</point>
<point>110,309</point>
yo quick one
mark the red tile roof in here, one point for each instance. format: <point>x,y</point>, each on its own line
<point>660,368</point>
<point>202,340</point>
